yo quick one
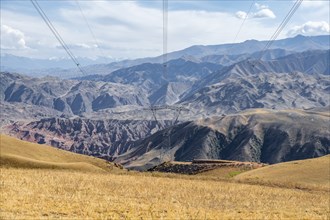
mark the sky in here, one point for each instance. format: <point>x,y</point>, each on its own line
<point>122,29</point>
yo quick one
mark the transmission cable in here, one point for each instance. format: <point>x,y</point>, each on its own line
<point>242,24</point>
<point>239,29</point>
<point>165,27</point>
<point>284,22</point>
<point>57,35</point>
<point>279,29</point>
<point>89,28</point>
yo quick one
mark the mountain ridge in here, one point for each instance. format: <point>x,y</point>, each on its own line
<point>294,44</point>
<point>299,80</point>
<point>257,135</point>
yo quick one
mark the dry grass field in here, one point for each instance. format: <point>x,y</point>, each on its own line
<point>57,193</point>
<point>309,174</point>
<point>22,154</point>
<point>49,194</point>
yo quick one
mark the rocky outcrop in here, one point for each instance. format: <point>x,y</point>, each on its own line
<point>69,96</point>
<point>259,136</point>
<point>102,138</point>
<point>295,81</point>
<point>263,90</point>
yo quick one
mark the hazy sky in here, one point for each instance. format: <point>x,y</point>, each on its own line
<point>131,29</point>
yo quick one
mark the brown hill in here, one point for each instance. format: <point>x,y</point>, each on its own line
<point>22,154</point>
<point>309,173</point>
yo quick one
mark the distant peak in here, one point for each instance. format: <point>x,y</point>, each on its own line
<point>251,40</point>
<point>300,36</point>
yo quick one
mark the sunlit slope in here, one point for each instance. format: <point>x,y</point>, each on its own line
<point>22,154</point>
<point>309,172</point>
<point>44,194</point>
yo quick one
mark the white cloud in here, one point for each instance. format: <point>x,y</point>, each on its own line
<point>260,6</point>
<point>12,38</point>
<point>310,28</point>
<point>125,29</point>
<point>187,28</point>
<point>241,14</point>
<point>263,11</point>
<point>84,46</point>
<point>312,4</point>
<point>311,10</point>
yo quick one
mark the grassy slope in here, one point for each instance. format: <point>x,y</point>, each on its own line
<point>223,173</point>
<point>307,173</point>
<point>22,154</point>
<point>61,193</point>
<point>40,193</point>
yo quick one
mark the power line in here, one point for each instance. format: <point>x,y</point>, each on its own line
<point>240,28</point>
<point>153,108</point>
<point>89,28</point>
<point>279,29</point>
<point>284,22</point>
<point>165,27</point>
<point>57,35</point>
<point>167,133</point>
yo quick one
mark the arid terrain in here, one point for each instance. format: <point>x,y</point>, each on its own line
<point>165,109</point>
<point>34,191</point>
<point>226,102</point>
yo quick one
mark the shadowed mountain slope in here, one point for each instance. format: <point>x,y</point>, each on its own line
<point>101,138</point>
<point>257,135</point>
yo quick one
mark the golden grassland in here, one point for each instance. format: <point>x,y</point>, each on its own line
<point>22,154</point>
<point>37,194</point>
<point>309,174</point>
<point>223,173</point>
<point>49,193</point>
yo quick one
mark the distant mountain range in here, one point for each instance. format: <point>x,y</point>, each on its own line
<point>43,67</point>
<point>224,54</point>
<point>279,84</point>
<point>68,96</point>
<point>299,80</point>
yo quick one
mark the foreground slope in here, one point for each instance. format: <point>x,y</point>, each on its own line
<point>21,154</point>
<point>310,172</point>
<point>44,194</point>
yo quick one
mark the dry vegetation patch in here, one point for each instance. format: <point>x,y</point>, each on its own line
<point>23,154</point>
<point>69,186</point>
<point>305,174</point>
<point>214,168</point>
<point>42,193</point>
